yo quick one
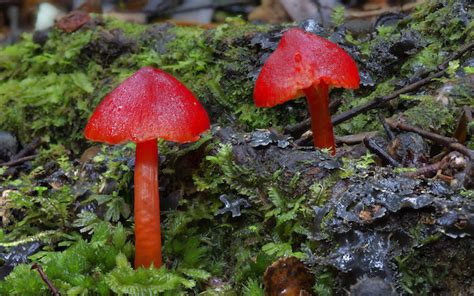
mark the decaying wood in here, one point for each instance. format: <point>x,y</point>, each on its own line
<point>18,161</point>
<point>354,139</point>
<point>451,143</point>
<point>23,155</point>
<point>28,149</point>
<point>432,169</point>
<point>380,152</point>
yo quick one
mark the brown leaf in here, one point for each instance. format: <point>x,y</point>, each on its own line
<point>4,207</point>
<point>89,153</point>
<point>464,122</point>
<point>368,214</point>
<point>289,277</point>
<point>72,21</point>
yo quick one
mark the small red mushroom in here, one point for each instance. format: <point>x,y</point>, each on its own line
<point>148,105</point>
<point>304,63</point>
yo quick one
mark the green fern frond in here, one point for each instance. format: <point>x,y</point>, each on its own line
<point>253,288</point>
<point>126,280</point>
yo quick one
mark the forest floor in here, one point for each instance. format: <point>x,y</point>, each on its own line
<point>392,211</point>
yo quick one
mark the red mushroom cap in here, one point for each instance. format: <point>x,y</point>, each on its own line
<point>149,104</point>
<point>301,60</point>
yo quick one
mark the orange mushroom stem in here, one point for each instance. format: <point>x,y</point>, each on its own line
<point>147,205</point>
<point>318,102</point>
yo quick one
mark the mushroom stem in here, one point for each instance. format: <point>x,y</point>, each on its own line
<point>318,102</point>
<point>147,206</point>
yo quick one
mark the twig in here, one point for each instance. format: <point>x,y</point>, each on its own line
<point>298,128</point>
<point>18,161</point>
<point>430,170</point>
<point>350,139</point>
<point>380,152</point>
<point>388,131</point>
<point>28,149</point>
<point>44,277</point>
<point>305,139</point>
<point>451,143</point>
<point>354,139</point>
<point>380,101</point>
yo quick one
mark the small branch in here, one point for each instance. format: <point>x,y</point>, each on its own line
<point>380,152</point>
<point>354,139</point>
<point>388,131</point>
<point>380,101</point>
<point>299,128</point>
<point>44,277</point>
<point>456,55</point>
<point>18,161</point>
<point>451,143</point>
<point>430,170</point>
<point>28,149</point>
<point>349,139</point>
<point>33,238</point>
<point>305,139</point>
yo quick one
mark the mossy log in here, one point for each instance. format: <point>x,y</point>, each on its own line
<point>54,79</point>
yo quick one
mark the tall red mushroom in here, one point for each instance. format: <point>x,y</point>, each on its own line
<point>148,105</point>
<point>304,63</point>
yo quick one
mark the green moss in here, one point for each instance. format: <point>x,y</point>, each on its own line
<point>440,27</point>
<point>427,59</point>
<point>419,277</point>
<point>215,64</point>
<point>66,77</point>
<point>366,121</point>
<point>46,104</point>
<point>220,174</point>
<point>338,16</point>
<point>440,19</point>
<point>130,29</point>
<point>324,282</point>
<point>54,88</point>
<point>431,114</point>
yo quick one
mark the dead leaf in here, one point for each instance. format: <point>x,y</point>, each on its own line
<point>89,153</point>
<point>4,207</point>
<point>289,277</point>
<point>73,21</point>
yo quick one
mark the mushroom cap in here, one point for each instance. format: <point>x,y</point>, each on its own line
<point>303,59</point>
<point>149,104</point>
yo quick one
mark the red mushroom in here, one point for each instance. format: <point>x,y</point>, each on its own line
<point>304,63</point>
<point>150,104</point>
